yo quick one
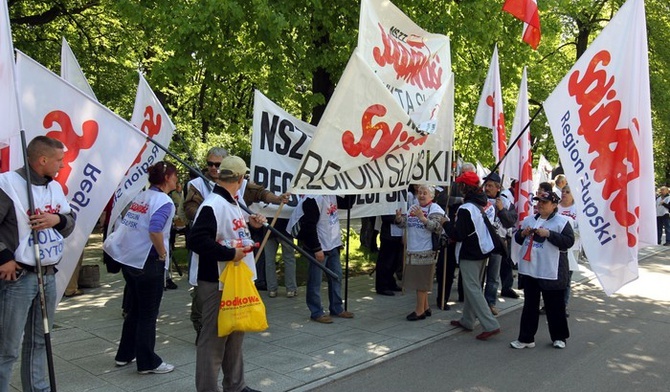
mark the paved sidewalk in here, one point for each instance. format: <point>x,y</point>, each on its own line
<point>294,354</point>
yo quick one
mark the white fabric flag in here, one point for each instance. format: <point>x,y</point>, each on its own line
<point>71,71</point>
<point>481,171</point>
<point>519,163</point>
<point>542,173</point>
<point>490,109</point>
<point>600,117</point>
<point>278,143</point>
<point>415,66</point>
<point>99,147</point>
<point>150,117</point>
<point>9,108</point>
<point>364,142</point>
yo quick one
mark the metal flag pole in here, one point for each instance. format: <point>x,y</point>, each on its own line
<point>517,139</point>
<point>246,209</point>
<point>40,273</point>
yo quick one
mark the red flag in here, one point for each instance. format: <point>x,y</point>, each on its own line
<point>526,11</point>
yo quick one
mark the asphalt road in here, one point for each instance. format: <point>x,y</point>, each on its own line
<point>618,343</point>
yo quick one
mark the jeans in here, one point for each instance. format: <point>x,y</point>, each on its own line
<point>288,257</point>
<point>144,295</point>
<point>492,275</point>
<point>21,317</point>
<point>313,295</point>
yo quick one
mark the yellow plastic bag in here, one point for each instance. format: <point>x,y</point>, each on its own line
<point>241,307</point>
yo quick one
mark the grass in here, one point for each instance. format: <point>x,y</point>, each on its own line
<point>361,260</point>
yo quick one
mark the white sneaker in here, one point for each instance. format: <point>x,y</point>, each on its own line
<point>291,293</point>
<point>559,344</point>
<point>519,345</point>
<point>161,369</point>
<point>124,363</point>
<point>272,293</point>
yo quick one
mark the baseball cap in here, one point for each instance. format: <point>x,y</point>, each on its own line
<point>468,178</point>
<point>493,177</point>
<point>232,166</point>
<point>547,196</point>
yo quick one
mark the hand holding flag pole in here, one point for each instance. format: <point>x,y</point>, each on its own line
<point>278,233</point>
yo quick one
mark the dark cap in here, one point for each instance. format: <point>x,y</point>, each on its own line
<point>548,196</point>
<point>493,177</point>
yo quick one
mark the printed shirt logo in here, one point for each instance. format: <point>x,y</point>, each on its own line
<point>410,57</point>
<point>72,141</point>
<point>617,160</point>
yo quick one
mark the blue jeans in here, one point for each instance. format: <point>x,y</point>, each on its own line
<point>313,295</point>
<point>21,316</point>
<point>663,223</point>
<point>287,256</point>
<point>492,275</point>
<point>144,294</point>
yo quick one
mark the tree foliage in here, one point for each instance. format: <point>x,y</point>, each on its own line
<point>204,58</point>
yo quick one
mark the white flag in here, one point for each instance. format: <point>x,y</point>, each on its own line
<point>71,71</point>
<point>9,108</point>
<point>278,143</point>
<point>519,163</point>
<point>481,171</point>
<point>542,173</point>
<point>490,110</point>
<point>365,142</point>
<point>99,147</point>
<point>415,66</point>
<point>600,117</point>
<point>150,117</point>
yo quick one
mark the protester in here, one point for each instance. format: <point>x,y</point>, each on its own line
<point>568,209</point>
<point>663,215</point>
<point>507,265</point>
<point>197,190</point>
<point>422,219</point>
<point>141,245</point>
<point>389,256</point>
<point>220,217</point>
<point>559,182</point>
<point>19,300</point>
<point>288,259</point>
<point>474,246</point>
<point>545,239</point>
<point>319,234</point>
<point>502,214</point>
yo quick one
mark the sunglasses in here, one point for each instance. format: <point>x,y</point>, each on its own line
<point>215,164</point>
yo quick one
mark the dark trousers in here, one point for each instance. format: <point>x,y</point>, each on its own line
<point>388,259</point>
<point>144,293</point>
<point>506,268</point>
<point>448,281</point>
<point>554,304</point>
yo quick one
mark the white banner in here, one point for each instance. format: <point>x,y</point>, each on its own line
<point>9,108</point>
<point>542,173</point>
<point>150,117</point>
<point>278,143</point>
<point>415,66</point>
<point>99,146</point>
<point>490,109</point>
<point>71,71</point>
<point>519,163</point>
<point>600,117</point>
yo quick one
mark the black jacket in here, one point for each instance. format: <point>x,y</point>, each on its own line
<point>461,229</point>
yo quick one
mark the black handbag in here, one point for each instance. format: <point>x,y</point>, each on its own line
<point>439,240</point>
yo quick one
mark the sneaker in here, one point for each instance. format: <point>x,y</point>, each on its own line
<point>291,293</point>
<point>161,369</point>
<point>272,293</point>
<point>494,310</point>
<point>124,363</point>
<point>519,345</point>
<point>559,344</point>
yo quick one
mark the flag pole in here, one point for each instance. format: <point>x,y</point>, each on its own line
<point>509,148</point>
<point>246,209</point>
<point>40,273</point>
